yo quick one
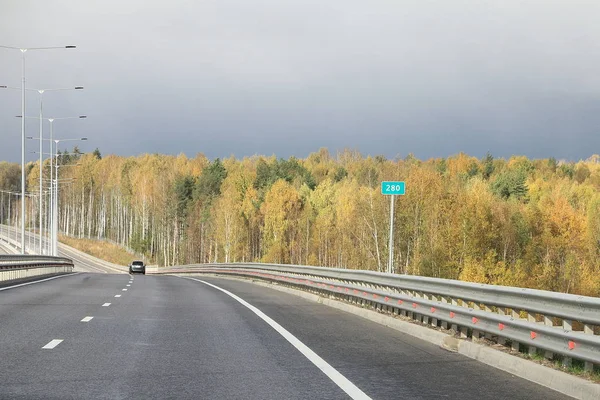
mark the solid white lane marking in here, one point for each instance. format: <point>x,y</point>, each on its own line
<point>40,281</point>
<point>117,295</point>
<point>105,304</point>
<point>351,390</point>
<point>87,319</point>
<point>124,290</point>
<point>52,344</point>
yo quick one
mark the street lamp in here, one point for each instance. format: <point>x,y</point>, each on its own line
<point>55,202</point>
<point>41,118</point>
<point>51,120</point>
<point>23,51</point>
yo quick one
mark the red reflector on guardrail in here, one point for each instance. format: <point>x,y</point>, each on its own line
<point>501,326</point>
<point>571,345</point>
<point>387,298</point>
<point>414,305</point>
<point>475,320</point>
<point>533,334</point>
<point>400,301</point>
<point>452,314</point>
<point>432,309</point>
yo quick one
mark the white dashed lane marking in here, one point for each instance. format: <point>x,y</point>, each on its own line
<point>117,295</point>
<point>52,344</point>
<point>105,304</point>
<point>124,290</point>
<point>87,319</point>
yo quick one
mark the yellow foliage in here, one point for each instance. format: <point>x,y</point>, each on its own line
<point>280,210</point>
<point>473,271</point>
<point>450,224</point>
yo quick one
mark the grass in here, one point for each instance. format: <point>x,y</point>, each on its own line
<point>100,249</point>
<point>576,368</point>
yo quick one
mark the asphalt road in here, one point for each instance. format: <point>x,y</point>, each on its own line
<point>171,337</point>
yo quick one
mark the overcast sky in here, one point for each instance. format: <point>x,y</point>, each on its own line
<point>287,77</point>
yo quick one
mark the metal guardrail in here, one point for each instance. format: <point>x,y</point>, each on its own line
<point>536,319</point>
<point>15,262</point>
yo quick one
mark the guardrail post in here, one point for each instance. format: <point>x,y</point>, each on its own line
<point>515,346</point>
<point>548,322</point>
<point>444,323</point>
<point>453,325</point>
<point>464,331</point>
<point>488,335</point>
<point>425,317</point>
<point>434,320</point>
<point>531,318</point>
<point>567,326</point>
<point>501,340</point>
<point>588,330</point>
<point>532,350</point>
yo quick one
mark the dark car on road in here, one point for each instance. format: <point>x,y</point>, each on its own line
<point>137,266</point>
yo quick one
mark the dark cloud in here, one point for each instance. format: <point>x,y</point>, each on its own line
<point>287,77</point>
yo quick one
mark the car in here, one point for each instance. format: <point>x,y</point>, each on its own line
<point>137,266</point>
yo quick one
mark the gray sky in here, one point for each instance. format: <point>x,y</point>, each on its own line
<point>287,77</point>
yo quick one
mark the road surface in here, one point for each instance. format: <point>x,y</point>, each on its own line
<point>174,337</point>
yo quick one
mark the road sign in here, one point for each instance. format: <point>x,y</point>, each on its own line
<point>393,187</point>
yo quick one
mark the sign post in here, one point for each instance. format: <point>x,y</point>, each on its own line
<point>392,189</point>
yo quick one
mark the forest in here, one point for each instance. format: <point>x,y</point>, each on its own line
<point>517,221</point>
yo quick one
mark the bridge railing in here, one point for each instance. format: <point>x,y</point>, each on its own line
<point>14,267</point>
<point>539,322</point>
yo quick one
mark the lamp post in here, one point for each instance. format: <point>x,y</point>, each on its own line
<point>55,203</point>
<point>41,118</point>
<point>47,220</point>
<point>23,50</point>
<point>51,120</point>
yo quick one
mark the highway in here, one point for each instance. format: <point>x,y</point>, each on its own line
<point>116,336</point>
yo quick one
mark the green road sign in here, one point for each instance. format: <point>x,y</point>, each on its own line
<point>392,187</point>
